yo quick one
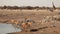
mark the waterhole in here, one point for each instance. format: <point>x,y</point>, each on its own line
<point>8,28</point>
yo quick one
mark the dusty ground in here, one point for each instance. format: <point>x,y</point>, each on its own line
<point>42,18</point>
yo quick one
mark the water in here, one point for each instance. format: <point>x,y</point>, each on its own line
<point>7,28</point>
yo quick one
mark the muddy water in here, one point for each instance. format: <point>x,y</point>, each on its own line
<point>7,28</point>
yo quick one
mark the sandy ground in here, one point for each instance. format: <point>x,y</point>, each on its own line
<point>51,26</point>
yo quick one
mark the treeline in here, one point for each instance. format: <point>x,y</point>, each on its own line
<point>25,7</point>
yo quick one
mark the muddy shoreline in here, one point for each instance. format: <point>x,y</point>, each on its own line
<point>52,26</point>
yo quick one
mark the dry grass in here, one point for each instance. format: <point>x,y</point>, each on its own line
<point>42,18</point>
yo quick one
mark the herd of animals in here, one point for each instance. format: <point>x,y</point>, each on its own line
<point>26,23</point>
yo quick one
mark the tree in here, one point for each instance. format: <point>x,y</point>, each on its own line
<point>4,7</point>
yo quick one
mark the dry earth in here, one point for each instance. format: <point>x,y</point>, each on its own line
<point>48,22</point>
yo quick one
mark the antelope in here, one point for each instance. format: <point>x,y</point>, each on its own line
<point>24,24</point>
<point>15,21</point>
<point>15,24</point>
<point>27,24</point>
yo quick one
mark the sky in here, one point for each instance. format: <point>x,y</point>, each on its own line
<point>30,3</point>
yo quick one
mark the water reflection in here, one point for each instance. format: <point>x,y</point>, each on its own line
<point>7,28</point>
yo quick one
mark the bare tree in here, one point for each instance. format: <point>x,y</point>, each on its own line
<point>52,9</point>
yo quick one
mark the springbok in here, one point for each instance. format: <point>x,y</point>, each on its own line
<point>24,24</point>
<point>27,24</point>
<point>15,24</point>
